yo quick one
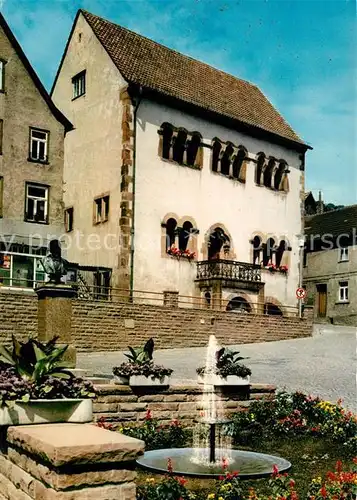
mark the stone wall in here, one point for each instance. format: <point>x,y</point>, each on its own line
<point>100,326</point>
<point>67,462</point>
<point>122,404</point>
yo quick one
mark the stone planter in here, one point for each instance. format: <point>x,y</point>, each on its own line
<point>119,380</point>
<point>142,381</point>
<point>44,411</point>
<point>230,380</point>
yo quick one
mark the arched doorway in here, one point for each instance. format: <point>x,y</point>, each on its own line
<point>272,309</point>
<point>239,305</point>
<point>218,240</point>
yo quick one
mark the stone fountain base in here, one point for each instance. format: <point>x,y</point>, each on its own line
<point>250,465</point>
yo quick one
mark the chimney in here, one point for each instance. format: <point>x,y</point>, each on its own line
<point>320,204</point>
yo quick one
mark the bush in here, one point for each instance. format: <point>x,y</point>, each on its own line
<point>158,436</point>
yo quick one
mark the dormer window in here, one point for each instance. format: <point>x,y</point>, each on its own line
<point>79,84</point>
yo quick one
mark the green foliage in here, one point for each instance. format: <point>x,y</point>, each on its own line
<point>35,361</point>
<point>143,354</point>
<point>158,436</point>
<point>170,488</point>
<point>227,363</point>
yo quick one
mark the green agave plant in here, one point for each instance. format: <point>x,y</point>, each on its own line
<point>34,361</point>
<point>141,355</point>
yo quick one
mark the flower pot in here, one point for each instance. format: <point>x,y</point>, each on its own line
<point>217,380</point>
<point>142,381</point>
<point>45,411</point>
<point>120,380</point>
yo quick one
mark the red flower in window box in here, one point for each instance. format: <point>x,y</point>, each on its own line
<point>176,252</point>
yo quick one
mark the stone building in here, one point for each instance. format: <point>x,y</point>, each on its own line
<point>178,176</point>
<point>330,271</point>
<point>32,133</point>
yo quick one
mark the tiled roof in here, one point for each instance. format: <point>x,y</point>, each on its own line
<point>146,63</point>
<point>335,222</point>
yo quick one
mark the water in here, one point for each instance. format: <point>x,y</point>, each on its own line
<point>212,412</point>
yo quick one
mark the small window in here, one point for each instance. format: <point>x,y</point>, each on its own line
<point>343,291</point>
<point>171,225</point>
<point>38,145</point>
<point>343,254</point>
<point>79,84</point>
<point>36,203</point>
<point>68,219</point>
<point>1,196</point>
<point>184,235</point>
<point>101,209</point>
<point>2,76</point>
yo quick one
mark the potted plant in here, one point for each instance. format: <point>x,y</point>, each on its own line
<point>141,370</point>
<point>37,387</point>
<point>227,371</point>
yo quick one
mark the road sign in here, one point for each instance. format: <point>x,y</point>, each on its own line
<point>300,293</point>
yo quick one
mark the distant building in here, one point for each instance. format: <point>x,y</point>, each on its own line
<point>32,133</point>
<point>187,177</point>
<point>330,272</point>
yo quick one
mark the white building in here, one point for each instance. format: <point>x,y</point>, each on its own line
<point>170,156</point>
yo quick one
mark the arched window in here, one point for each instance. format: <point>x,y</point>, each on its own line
<point>279,175</point>
<point>257,247</point>
<point>226,159</point>
<point>184,235</point>
<point>208,298</point>
<point>268,250</point>
<point>170,233</point>
<point>216,150</point>
<point>217,240</point>
<point>272,309</point>
<point>280,252</point>
<point>192,148</point>
<point>268,173</point>
<point>238,162</point>
<point>239,305</point>
<point>167,131</point>
<point>259,168</point>
<point>179,146</point>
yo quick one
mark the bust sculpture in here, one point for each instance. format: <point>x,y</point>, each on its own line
<point>53,264</point>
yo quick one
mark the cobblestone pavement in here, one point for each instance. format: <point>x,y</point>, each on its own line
<point>323,365</point>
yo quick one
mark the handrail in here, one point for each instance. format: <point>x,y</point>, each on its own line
<point>228,269</point>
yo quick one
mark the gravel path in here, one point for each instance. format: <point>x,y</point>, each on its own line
<point>323,365</point>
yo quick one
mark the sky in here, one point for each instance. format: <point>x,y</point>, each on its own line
<point>300,53</point>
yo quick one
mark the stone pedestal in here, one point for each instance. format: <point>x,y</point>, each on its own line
<point>68,462</point>
<point>55,316</point>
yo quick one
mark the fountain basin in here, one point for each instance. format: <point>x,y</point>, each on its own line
<point>251,465</point>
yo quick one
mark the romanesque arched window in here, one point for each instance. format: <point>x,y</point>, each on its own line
<point>259,168</point>
<point>193,148</point>
<point>280,252</point>
<point>268,251</point>
<point>216,150</point>
<point>179,146</point>
<point>171,226</point>
<point>167,132</point>
<point>184,235</point>
<point>218,239</point>
<point>278,176</point>
<point>257,249</point>
<point>239,305</point>
<point>226,159</point>
<point>272,309</point>
<point>268,173</point>
<point>238,162</point>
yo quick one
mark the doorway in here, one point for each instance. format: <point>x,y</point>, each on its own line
<point>321,300</point>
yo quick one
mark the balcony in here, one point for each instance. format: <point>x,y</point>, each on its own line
<point>232,273</point>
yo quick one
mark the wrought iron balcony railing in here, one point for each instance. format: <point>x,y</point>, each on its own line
<point>228,270</point>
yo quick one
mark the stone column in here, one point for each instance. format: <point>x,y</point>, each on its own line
<point>216,299</point>
<point>261,299</point>
<point>55,316</point>
<point>171,299</point>
<point>68,462</point>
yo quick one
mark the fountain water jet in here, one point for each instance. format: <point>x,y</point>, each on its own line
<point>212,448</point>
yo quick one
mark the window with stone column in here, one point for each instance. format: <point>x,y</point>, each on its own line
<point>180,146</point>
<point>228,159</point>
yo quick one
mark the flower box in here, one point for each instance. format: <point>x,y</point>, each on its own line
<point>120,380</point>
<point>142,381</point>
<point>218,381</point>
<point>44,411</point>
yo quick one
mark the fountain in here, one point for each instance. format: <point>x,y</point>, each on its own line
<point>212,448</point>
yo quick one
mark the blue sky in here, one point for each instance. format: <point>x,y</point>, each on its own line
<point>300,53</point>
